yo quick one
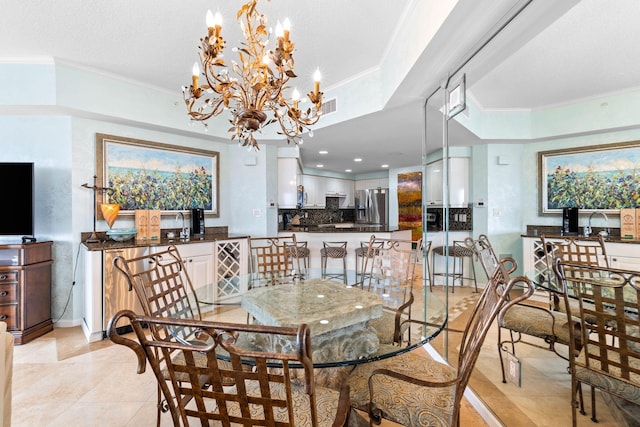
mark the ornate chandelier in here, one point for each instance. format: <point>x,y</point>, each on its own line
<point>255,91</point>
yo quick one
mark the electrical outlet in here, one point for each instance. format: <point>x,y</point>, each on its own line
<point>514,369</point>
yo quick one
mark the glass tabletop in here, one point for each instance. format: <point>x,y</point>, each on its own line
<point>586,277</point>
<point>349,325</point>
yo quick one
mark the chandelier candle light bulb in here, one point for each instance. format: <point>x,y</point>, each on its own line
<point>286,27</point>
<point>252,88</point>
<point>295,97</point>
<point>195,71</point>
<point>316,82</point>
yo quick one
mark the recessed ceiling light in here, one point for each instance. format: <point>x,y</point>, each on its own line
<point>347,170</point>
<point>323,152</point>
<point>319,166</point>
<point>357,159</point>
<point>385,166</point>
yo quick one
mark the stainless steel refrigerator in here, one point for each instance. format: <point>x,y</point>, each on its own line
<point>372,206</point>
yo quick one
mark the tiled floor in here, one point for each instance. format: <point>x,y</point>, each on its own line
<point>60,380</point>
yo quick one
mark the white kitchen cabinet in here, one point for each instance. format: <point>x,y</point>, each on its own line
<point>341,188</point>
<point>458,182</point>
<point>223,262</point>
<point>348,201</point>
<point>625,256</point>
<point>365,184</point>
<point>434,183</point>
<point>288,180</point>
<point>198,262</point>
<point>314,191</point>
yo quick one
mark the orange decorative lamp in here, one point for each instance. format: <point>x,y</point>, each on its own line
<point>110,212</point>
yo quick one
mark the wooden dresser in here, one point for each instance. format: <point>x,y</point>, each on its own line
<point>25,289</point>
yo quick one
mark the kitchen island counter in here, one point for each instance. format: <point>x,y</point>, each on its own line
<point>315,236</point>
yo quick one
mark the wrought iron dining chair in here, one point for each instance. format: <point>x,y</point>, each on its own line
<point>575,249</point>
<point>274,260</point>
<point>389,272</point>
<point>164,289</point>
<point>414,390</point>
<point>196,393</point>
<point>609,360</point>
<point>162,285</point>
<point>525,319</point>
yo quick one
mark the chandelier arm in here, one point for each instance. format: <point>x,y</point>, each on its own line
<point>209,71</point>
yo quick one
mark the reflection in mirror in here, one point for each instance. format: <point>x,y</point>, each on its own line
<point>561,77</point>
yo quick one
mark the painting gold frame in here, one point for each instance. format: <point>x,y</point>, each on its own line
<point>140,174</point>
<point>600,177</point>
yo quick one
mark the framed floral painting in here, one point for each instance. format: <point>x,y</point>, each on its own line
<point>150,175</point>
<point>599,177</point>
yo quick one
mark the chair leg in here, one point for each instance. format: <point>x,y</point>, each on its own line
<point>581,399</point>
<point>344,269</point>
<point>593,405</point>
<point>323,266</point>
<point>453,276</point>
<point>159,406</point>
<point>504,377</point>
<point>473,270</point>
<point>431,270</point>
<point>575,386</point>
<point>425,261</point>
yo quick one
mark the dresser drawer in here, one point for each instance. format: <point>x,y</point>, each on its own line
<point>10,276</point>
<point>9,314</point>
<point>8,293</point>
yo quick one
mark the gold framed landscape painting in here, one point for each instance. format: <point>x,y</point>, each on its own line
<point>150,175</point>
<point>599,177</point>
<point>410,203</point>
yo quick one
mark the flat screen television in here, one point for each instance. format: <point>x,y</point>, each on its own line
<point>17,194</point>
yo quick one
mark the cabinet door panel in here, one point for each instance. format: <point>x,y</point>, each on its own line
<point>625,263</point>
<point>287,183</point>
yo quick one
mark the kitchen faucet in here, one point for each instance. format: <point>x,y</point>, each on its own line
<point>184,233</point>
<point>588,230</point>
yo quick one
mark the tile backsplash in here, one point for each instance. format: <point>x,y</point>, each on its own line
<point>331,213</point>
<point>460,219</point>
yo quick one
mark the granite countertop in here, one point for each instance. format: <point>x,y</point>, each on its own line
<point>554,232</point>
<point>106,243</point>
<point>609,239</point>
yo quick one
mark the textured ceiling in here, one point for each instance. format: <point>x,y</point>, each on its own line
<point>546,57</point>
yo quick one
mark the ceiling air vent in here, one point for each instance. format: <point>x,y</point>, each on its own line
<point>329,106</point>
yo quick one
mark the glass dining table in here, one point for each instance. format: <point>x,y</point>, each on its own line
<point>339,315</point>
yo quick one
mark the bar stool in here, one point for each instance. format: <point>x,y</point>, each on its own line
<point>361,253</point>
<point>423,253</point>
<point>335,250</point>
<point>300,252</point>
<point>458,251</point>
